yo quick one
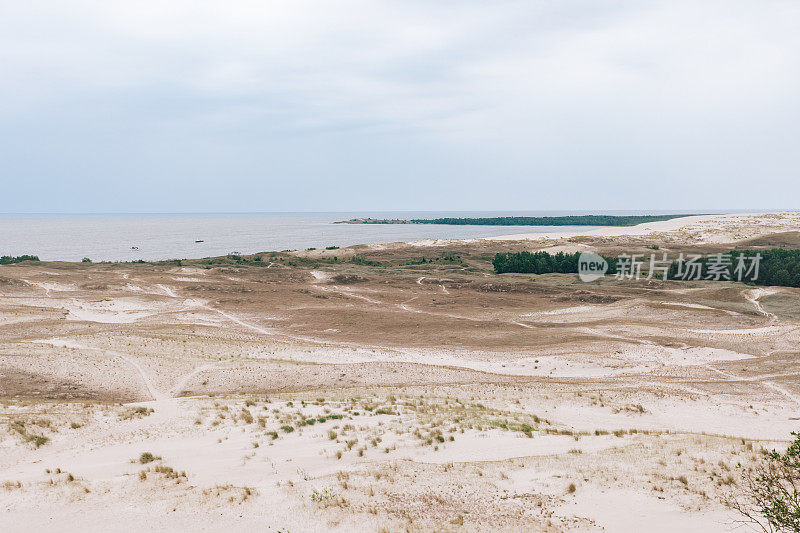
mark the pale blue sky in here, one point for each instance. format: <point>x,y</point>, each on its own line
<point>292,105</point>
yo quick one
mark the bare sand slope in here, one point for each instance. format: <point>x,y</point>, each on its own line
<point>698,229</point>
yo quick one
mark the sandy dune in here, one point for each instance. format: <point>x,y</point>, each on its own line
<point>305,394</point>
<point>699,229</point>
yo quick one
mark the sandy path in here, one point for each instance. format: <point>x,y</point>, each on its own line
<point>759,379</point>
<point>40,285</point>
<point>146,380</point>
<point>144,377</point>
<point>182,382</point>
<point>169,292</point>
<point>754,295</point>
<point>344,291</point>
<point>191,303</point>
<point>232,318</point>
<point>780,390</point>
<point>322,276</point>
<point>148,383</point>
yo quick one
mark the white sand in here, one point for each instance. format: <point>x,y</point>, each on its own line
<point>701,228</point>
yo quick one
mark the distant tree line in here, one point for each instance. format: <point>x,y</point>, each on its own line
<point>9,259</point>
<point>448,257</point>
<point>571,220</point>
<point>537,263</point>
<point>776,267</point>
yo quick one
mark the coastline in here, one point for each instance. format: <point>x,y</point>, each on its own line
<point>700,229</point>
<point>619,231</point>
<point>696,229</point>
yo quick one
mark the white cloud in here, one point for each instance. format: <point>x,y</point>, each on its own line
<point>552,88</point>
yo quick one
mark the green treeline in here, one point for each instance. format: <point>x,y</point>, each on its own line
<point>776,267</point>
<point>9,259</point>
<point>538,263</point>
<point>571,220</point>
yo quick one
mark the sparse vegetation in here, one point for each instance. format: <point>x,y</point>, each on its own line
<point>769,494</point>
<point>20,429</point>
<point>359,260</point>
<point>135,412</point>
<point>147,457</point>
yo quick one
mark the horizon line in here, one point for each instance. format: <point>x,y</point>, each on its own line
<point>587,211</point>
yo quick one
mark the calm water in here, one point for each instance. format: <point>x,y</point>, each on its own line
<point>172,236</point>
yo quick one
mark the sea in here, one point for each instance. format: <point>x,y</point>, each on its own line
<point>130,237</point>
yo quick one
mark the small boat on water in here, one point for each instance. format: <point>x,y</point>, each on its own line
<point>199,241</point>
<point>134,247</point>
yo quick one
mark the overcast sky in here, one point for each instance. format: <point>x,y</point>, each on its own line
<point>192,105</point>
